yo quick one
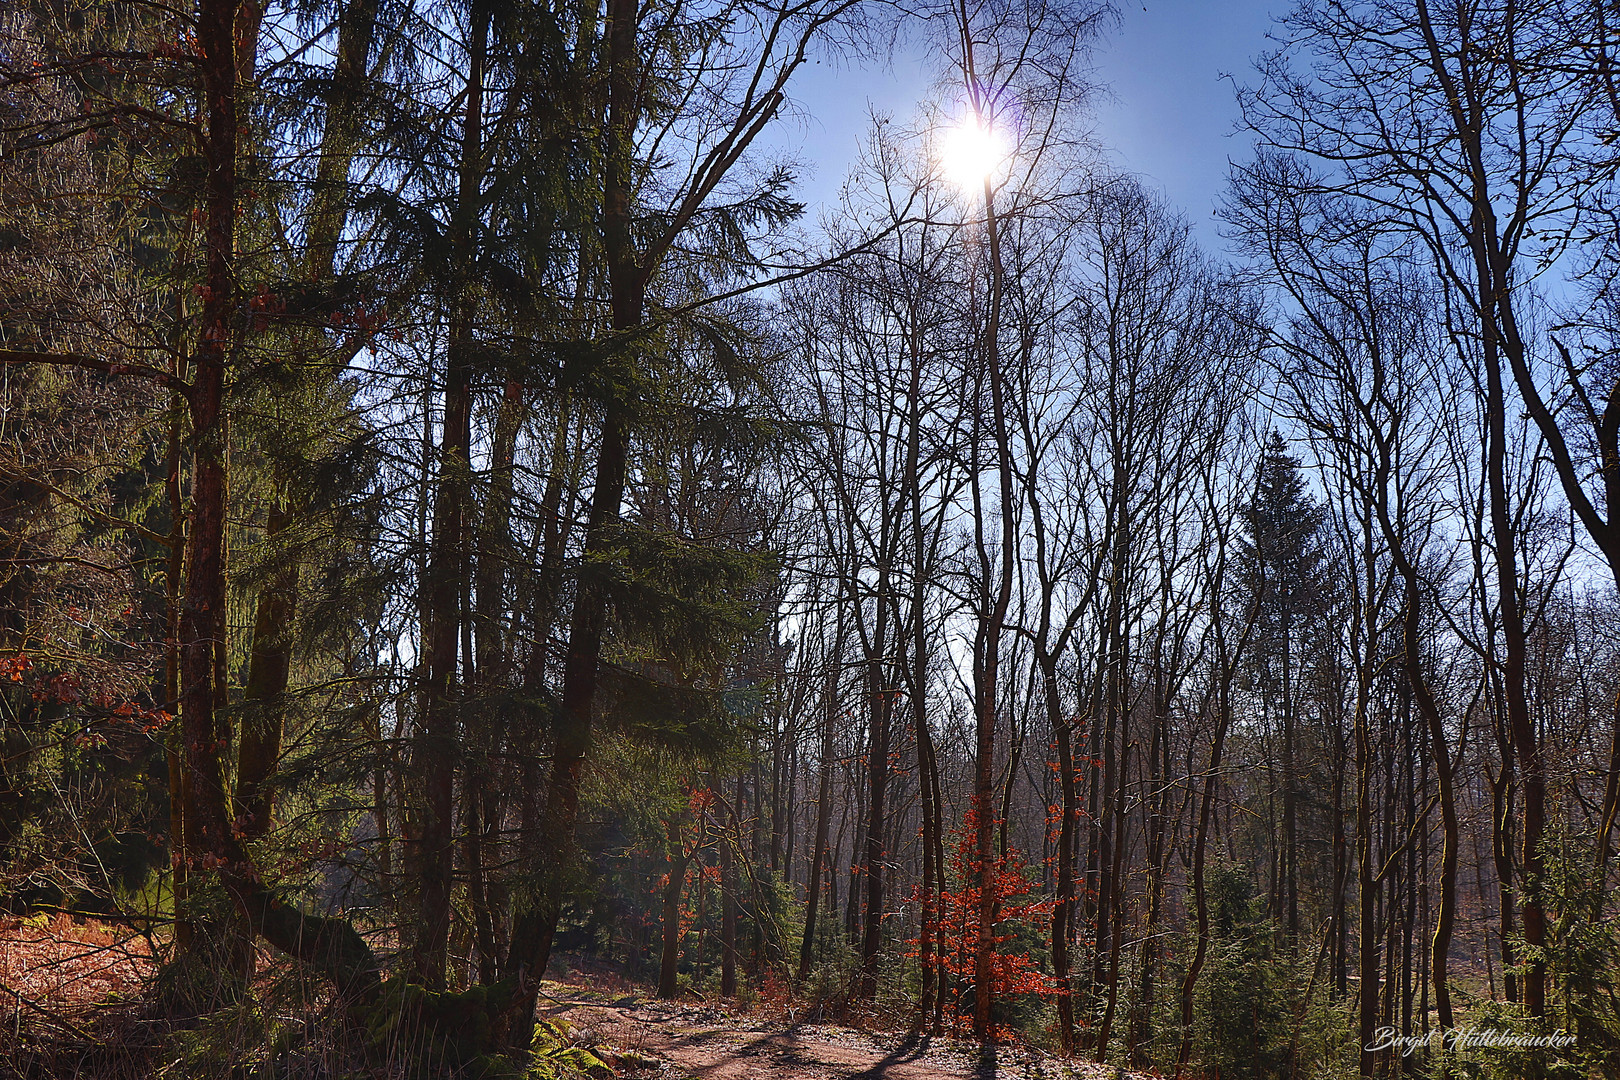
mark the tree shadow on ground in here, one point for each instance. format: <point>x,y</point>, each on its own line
<point>910,1049</point>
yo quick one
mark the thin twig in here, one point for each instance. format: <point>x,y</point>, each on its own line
<point>65,1025</point>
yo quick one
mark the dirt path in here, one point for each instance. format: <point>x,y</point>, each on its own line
<point>645,1037</point>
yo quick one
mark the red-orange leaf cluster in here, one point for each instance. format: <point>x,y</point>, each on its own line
<point>1012,971</point>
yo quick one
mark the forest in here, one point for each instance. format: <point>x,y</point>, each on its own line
<point>472,537</point>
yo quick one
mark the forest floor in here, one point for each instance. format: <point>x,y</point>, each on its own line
<point>65,986</point>
<point>644,1037</point>
<point>61,970</point>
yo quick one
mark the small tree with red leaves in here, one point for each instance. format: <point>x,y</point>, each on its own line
<point>1016,905</point>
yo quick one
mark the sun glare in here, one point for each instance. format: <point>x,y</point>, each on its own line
<point>970,151</point>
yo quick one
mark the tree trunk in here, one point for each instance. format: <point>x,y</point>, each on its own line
<point>852,899</point>
<point>264,693</point>
<point>1494,277</point>
<point>1227,669</point>
<point>1116,876</point>
<point>1502,800</point>
<point>819,853</point>
<point>1113,678</point>
<point>174,750</point>
<point>208,839</point>
<point>1439,749</point>
<point>627,273</point>
<point>728,911</point>
<point>1521,727</point>
<point>1366,882</point>
<point>988,661</point>
<point>1069,810</point>
<point>1341,868</point>
<point>270,652</point>
<point>678,859</point>
<point>447,561</point>
<point>473,832</point>
<point>878,699</point>
<point>930,973</point>
<point>1158,794</point>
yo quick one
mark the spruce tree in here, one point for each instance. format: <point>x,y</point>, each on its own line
<point>1284,576</point>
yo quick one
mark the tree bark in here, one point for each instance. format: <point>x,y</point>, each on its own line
<point>987,659</point>
<point>209,842</point>
<point>270,652</point>
<point>728,911</point>
<point>678,860</point>
<point>437,747</point>
<point>1063,905</point>
<point>820,856</point>
<point>1227,658</point>
<point>879,699</point>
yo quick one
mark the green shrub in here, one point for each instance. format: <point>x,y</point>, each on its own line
<point>1242,1021</point>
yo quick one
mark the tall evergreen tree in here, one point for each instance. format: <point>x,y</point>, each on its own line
<point>1283,576</point>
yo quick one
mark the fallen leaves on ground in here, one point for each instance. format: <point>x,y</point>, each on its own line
<point>675,1040</point>
<point>67,967</point>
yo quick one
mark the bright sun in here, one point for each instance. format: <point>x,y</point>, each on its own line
<point>971,151</point>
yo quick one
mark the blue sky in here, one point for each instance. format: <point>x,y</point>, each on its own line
<point>1166,114</point>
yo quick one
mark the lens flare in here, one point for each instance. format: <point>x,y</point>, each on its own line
<point>972,151</point>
